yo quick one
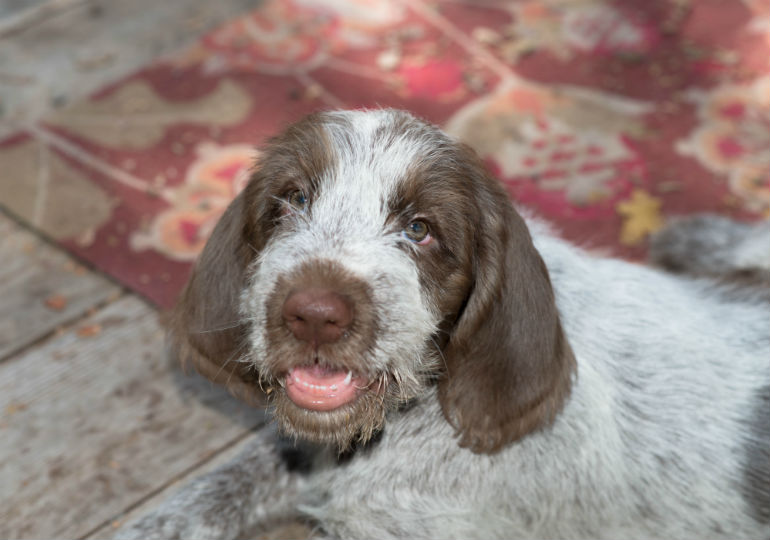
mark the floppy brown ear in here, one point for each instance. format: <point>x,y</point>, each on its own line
<point>509,365</point>
<point>206,328</point>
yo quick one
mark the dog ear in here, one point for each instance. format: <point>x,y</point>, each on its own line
<point>509,365</point>
<point>205,327</point>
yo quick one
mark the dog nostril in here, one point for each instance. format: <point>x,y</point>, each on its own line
<point>317,315</point>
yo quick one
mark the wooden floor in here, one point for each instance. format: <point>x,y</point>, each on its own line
<point>96,425</point>
<point>95,421</point>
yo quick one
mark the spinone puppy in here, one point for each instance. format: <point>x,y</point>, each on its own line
<point>452,369</point>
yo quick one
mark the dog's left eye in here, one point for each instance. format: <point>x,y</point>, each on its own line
<point>298,200</point>
<point>417,231</point>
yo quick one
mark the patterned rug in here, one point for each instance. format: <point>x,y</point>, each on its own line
<point>605,117</point>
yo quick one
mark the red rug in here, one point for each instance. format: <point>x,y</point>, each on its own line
<point>606,117</point>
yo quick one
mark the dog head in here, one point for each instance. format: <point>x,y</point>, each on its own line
<point>369,258</point>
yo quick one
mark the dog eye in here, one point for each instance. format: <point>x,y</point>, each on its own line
<point>417,232</point>
<point>298,200</point>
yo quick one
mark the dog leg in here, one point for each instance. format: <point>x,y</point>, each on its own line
<point>711,245</point>
<point>256,487</point>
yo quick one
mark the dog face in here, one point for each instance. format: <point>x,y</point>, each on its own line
<point>370,257</point>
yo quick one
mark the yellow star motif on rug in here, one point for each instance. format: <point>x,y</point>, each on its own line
<point>641,216</point>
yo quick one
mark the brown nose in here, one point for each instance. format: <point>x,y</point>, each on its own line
<point>317,316</point>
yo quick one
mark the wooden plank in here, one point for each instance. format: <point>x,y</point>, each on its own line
<point>174,484</point>
<point>13,8</point>
<point>283,531</point>
<point>41,288</point>
<point>51,57</point>
<point>16,15</point>
<point>96,419</point>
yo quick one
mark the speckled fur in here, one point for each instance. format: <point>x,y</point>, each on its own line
<point>664,435</point>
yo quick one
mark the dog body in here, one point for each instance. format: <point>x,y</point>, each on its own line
<point>500,383</point>
<point>646,447</point>
<point>659,439</point>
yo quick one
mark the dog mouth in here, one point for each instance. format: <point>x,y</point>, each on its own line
<point>322,388</point>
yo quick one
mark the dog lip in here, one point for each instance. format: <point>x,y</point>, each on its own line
<point>321,388</point>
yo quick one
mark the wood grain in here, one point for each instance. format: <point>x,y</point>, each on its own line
<point>58,51</point>
<point>95,420</point>
<point>289,530</point>
<point>41,288</point>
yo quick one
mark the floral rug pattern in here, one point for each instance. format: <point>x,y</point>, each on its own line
<point>606,117</point>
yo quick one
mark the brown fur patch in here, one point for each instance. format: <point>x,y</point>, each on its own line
<point>205,327</point>
<point>509,366</point>
<point>347,353</point>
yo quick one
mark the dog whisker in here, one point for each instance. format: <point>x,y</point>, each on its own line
<point>221,328</point>
<point>440,354</point>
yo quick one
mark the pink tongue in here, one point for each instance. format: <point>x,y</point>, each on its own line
<point>319,389</point>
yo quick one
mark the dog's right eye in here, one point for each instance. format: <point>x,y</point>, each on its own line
<point>298,200</point>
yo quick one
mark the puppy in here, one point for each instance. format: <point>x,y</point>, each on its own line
<point>459,371</point>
